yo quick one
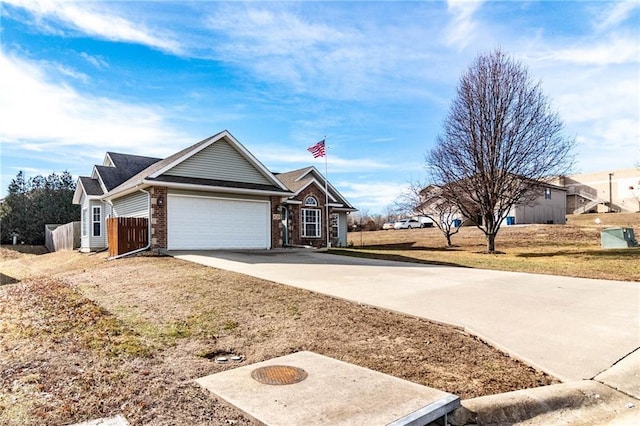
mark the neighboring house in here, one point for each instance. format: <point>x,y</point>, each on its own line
<point>548,207</point>
<point>600,192</point>
<point>212,195</point>
<point>303,214</point>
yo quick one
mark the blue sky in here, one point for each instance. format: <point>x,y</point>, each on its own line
<point>375,78</point>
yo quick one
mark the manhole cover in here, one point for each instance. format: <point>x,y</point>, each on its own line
<point>279,375</point>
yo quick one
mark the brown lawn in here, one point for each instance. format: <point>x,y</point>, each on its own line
<point>82,338</point>
<point>571,250</point>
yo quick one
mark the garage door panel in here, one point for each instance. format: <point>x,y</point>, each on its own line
<point>216,223</point>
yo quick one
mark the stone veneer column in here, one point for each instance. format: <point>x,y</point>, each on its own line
<point>159,217</point>
<point>276,223</point>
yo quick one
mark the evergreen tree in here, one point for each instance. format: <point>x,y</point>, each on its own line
<point>33,203</point>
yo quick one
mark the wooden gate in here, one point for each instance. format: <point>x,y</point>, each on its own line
<point>127,234</point>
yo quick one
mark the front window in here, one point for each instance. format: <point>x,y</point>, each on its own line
<point>85,222</point>
<point>547,193</point>
<point>311,223</point>
<point>335,224</point>
<point>96,221</point>
<point>310,201</point>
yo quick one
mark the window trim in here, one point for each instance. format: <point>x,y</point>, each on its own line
<point>94,221</point>
<point>310,200</point>
<point>335,225</point>
<point>317,223</point>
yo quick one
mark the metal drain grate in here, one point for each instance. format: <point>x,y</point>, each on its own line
<point>279,375</point>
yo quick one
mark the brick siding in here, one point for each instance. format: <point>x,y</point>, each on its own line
<point>295,219</point>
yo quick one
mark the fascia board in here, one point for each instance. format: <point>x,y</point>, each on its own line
<point>115,195</point>
<point>224,189</point>
<point>97,174</point>
<point>319,186</point>
<point>333,189</point>
<point>77,194</point>
<point>108,161</point>
<point>306,172</point>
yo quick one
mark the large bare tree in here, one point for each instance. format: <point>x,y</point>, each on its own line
<point>501,140</point>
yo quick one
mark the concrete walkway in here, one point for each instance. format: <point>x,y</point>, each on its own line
<point>571,328</point>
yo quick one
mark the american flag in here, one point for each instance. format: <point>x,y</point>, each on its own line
<point>317,150</point>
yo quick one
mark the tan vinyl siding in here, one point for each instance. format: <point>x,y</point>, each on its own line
<point>342,228</point>
<point>543,210</point>
<point>219,161</point>
<point>132,205</point>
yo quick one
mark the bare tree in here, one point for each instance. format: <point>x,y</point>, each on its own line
<point>500,141</point>
<point>429,201</point>
<point>390,213</point>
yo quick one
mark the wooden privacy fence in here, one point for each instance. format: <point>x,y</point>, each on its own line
<point>126,234</point>
<point>62,237</point>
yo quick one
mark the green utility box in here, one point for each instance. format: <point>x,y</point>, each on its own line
<point>618,238</point>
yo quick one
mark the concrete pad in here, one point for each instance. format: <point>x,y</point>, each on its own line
<point>333,393</point>
<point>107,421</point>
<point>572,328</point>
<point>576,403</point>
<point>624,375</point>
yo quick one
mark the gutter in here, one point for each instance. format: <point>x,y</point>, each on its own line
<point>221,189</point>
<point>148,246</point>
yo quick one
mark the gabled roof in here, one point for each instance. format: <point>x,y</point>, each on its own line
<point>294,180</point>
<point>121,168</point>
<point>298,180</point>
<point>89,186</point>
<point>130,162</point>
<point>153,173</point>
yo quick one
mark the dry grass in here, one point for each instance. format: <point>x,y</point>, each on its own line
<point>82,338</point>
<point>569,250</point>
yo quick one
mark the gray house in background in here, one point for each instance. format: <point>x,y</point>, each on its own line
<point>549,207</point>
<point>212,195</point>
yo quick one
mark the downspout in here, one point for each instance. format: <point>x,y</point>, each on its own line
<point>148,230</point>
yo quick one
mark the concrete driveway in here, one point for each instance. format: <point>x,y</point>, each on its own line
<point>572,328</point>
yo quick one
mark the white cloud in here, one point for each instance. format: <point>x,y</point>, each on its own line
<point>338,58</point>
<point>601,110</point>
<point>373,196</point>
<point>96,61</point>
<point>69,72</point>
<point>281,159</point>
<point>614,13</point>
<point>461,29</point>
<point>95,20</point>
<point>56,120</point>
<point>616,50</point>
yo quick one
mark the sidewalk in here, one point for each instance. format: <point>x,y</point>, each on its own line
<point>571,328</point>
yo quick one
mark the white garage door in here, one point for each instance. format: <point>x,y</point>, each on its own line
<point>217,223</point>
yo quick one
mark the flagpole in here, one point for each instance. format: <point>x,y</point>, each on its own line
<point>326,192</point>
